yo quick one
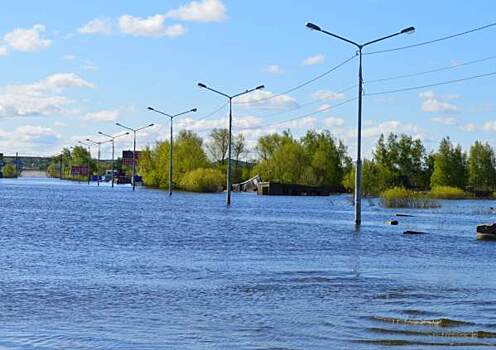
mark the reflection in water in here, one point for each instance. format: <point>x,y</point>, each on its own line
<point>98,268</point>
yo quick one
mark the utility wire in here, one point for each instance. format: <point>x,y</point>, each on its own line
<point>431,71</point>
<point>299,86</point>
<point>217,110</point>
<point>430,85</point>
<point>301,116</point>
<point>433,41</point>
<point>301,106</point>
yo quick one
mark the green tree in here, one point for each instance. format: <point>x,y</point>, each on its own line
<point>481,167</point>
<point>450,166</point>
<point>9,170</point>
<point>218,145</point>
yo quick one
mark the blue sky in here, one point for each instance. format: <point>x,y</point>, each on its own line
<point>70,69</point>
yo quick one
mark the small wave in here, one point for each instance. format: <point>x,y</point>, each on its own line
<point>475,334</point>
<point>438,322</point>
<point>399,342</point>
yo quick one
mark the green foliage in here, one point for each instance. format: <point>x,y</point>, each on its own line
<point>188,155</point>
<point>450,166</point>
<point>400,197</point>
<point>9,170</point>
<point>203,180</point>
<point>447,192</point>
<point>373,181</point>
<point>481,167</point>
<point>78,156</point>
<point>401,161</point>
<point>218,145</point>
<point>317,159</point>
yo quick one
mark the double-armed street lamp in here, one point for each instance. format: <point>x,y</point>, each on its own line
<point>89,158</point>
<point>134,131</point>
<point>99,144</point>
<point>230,98</point>
<point>112,139</point>
<point>171,116</point>
<point>358,172</point>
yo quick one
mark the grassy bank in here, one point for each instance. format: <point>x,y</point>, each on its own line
<point>447,192</point>
<point>399,197</point>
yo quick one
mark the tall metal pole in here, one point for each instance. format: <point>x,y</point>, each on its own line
<point>134,161</point>
<point>89,164</point>
<point>98,166</point>
<point>229,180</point>
<point>358,172</point>
<point>113,162</point>
<point>170,156</point>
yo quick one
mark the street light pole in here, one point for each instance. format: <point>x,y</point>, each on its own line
<point>112,139</point>
<point>171,116</point>
<point>134,131</point>
<point>230,98</point>
<point>89,159</point>
<point>358,172</point>
<point>97,160</point>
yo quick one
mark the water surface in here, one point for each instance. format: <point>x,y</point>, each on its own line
<point>86,267</point>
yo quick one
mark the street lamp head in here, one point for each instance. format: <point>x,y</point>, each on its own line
<point>409,30</point>
<point>88,140</point>
<point>151,109</point>
<point>202,85</point>
<point>260,87</point>
<point>312,26</point>
<point>101,133</point>
<point>118,124</point>
<point>194,110</point>
<point>151,124</point>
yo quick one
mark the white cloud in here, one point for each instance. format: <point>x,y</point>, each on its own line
<point>446,120</point>
<point>469,127</point>
<point>302,123</point>
<point>489,125</point>
<point>310,61</point>
<point>4,51</point>
<point>30,139</point>
<point>391,126</point>
<point>433,104</point>
<point>334,122</point>
<point>69,57</point>
<point>153,26</point>
<point>88,66</point>
<point>97,26</point>
<point>324,108</point>
<point>327,95</point>
<point>39,98</point>
<point>266,100</point>
<point>273,69</point>
<point>200,11</point>
<point>101,116</point>
<point>26,40</point>
<point>243,122</point>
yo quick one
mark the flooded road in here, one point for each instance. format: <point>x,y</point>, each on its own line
<point>86,267</point>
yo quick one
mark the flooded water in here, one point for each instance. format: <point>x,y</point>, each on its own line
<point>100,268</point>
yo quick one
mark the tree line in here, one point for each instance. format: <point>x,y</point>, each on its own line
<point>320,159</point>
<point>315,159</point>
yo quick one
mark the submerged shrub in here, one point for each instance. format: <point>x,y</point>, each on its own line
<point>399,197</point>
<point>203,180</point>
<point>448,192</point>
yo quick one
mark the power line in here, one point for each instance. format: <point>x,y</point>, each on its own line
<point>299,86</point>
<point>217,110</point>
<point>301,106</point>
<point>430,85</point>
<point>301,116</point>
<point>433,41</point>
<point>410,75</point>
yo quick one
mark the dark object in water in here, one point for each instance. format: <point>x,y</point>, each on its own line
<point>486,232</point>
<point>414,233</point>
<point>392,222</point>
<point>405,215</point>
